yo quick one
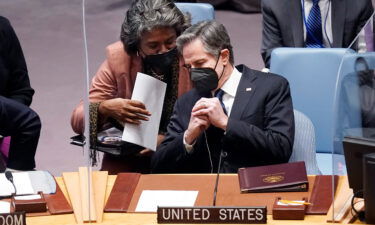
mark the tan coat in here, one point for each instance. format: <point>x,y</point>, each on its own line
<point>115,79</point>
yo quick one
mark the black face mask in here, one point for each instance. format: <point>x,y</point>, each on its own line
<point>163,61</point>
<point>205,79</point>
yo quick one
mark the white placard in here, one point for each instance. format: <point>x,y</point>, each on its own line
<point>151,199</point>
<point>27,197</point>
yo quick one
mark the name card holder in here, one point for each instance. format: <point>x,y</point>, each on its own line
<point>29,205</point>
<point>289,212</point>
<point>212,215</point>
<point>16,218</point>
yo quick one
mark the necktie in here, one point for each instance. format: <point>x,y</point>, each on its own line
<point>314,34</point>
<point>219,94</point>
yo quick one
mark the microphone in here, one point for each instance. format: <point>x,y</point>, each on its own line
<point>222,156</point>
<point>9,177</point>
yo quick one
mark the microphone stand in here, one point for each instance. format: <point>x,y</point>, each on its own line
<point>222,155</point>
<point>9,177</point>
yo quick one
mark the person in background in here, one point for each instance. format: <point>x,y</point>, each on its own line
<point>17,119</point>
<point>357,102</point>
<point>237,115</point>
<point>148,45</point>
<point>311,23</point>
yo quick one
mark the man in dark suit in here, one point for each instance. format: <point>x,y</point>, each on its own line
<point>284,23</point>
<point>16,118</point>
<point>249,123</point>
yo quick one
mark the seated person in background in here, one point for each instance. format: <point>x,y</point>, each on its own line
<point>17,120</point>
<point>148,45</point>
<point>250,120</point>
<point>312,23</point>
<point>357,100</point>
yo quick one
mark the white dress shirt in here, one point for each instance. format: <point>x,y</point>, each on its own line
<point>230,89</point>
<point>325,11</point>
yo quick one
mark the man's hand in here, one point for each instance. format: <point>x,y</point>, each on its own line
<point>126,110</point>
<point>197,125</point>
<point>212,109</point>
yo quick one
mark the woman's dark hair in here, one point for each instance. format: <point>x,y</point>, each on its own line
<point>145,15</point>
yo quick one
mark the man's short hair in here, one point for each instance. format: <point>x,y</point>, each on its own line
<point>213,35</point>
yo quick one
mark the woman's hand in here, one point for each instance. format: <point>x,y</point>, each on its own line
<point>125,110</point>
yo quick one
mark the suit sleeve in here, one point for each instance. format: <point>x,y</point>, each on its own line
<point>274,141</point>
<point>271,34</point>
<point>171,155</point>
<point>19,84</point>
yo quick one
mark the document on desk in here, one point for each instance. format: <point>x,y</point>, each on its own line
<point>151,199</point>
<point>29,182</point>
<point>151,92</point>
<point>21,181</point>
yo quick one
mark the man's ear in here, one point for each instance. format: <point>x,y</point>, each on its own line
<point>225,54</point>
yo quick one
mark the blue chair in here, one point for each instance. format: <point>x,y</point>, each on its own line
<point>198,11</point>
<point>304,143</point>
<point>313,77</point>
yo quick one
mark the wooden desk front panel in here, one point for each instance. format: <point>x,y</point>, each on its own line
<point>228,194</point>
<point>204,183</point>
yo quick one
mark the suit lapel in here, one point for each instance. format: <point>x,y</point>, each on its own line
<point>245,91</point>
<point>296,22</point>
<point>338,21</point>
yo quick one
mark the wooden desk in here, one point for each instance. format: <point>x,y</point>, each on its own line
<point>148,218</point>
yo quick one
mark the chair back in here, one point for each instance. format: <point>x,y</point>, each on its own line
<point>304,143</point>
<point>198,11</point>
<point>312,75</point>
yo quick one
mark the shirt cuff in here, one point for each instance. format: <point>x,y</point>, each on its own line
<point>189,148</point>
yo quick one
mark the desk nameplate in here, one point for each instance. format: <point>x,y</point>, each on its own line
<point>212,215</point>
<point>16,218</point>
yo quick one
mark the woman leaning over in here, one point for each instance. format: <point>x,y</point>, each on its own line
<point>148,45</point>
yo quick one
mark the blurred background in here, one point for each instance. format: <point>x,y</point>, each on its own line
<point>50,33</point>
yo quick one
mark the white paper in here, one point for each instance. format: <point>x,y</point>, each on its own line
<point>297,202</point>
<point>4,207</point>
<point>21,181</point>
<point>151,199</point>
<point>27,197</point>
<point>151,92</point>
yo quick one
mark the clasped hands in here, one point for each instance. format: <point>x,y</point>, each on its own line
<point>205,112</point>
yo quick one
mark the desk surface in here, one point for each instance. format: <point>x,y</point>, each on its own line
<point>144,218</point>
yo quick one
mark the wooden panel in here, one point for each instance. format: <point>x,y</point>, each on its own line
<point>122,192</point>
<point>57,203</point>
<point>99,179</point>
<point>71,180</point>
<point>87,197</point>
